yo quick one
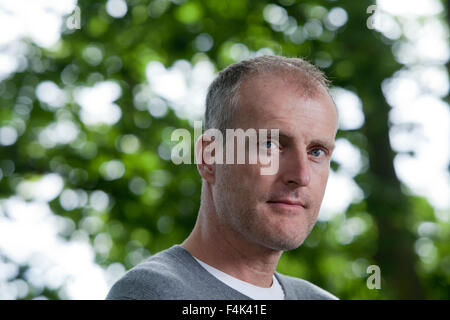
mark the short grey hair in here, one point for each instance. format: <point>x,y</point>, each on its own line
<point>223,93</point>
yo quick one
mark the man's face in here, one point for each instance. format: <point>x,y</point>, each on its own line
<point>278,211</point>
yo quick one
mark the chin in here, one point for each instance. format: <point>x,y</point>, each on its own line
<point>282,244</point>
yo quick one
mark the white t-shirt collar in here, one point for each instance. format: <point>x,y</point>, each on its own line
<point>275,292</point>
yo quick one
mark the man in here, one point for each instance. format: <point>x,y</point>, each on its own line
<point>246,220</point>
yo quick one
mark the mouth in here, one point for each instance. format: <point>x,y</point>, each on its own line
<point>287,204</point>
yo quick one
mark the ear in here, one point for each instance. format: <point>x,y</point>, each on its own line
<point>205,165</point>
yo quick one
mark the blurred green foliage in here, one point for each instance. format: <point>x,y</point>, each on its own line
<point>154,204</point>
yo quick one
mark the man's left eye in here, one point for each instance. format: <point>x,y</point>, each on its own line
<point>317,152</point>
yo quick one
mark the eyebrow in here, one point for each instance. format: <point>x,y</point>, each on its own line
<point>287,137</point>
<point>329,146</point>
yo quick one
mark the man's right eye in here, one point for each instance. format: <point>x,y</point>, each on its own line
<point>269,144</point>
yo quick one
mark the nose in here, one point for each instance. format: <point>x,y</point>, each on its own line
<point>296,168</point>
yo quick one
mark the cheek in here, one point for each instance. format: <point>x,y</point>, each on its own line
<point>317,192</point>
<point>235,179</point>
<point>248,181</point>
<point>320,180</point>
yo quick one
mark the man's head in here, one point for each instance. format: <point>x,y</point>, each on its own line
<point>273,211</point>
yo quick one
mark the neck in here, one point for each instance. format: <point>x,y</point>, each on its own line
<point>214,243</point>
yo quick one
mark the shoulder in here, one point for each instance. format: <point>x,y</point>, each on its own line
<point>134,285</point>
<point>155,278</point>
<point>296,288</point>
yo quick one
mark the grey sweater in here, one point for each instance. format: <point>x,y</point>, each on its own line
<point>173,274</point>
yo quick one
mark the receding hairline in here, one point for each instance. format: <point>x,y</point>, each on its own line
<point>306,87</point>
<point>223,93</point>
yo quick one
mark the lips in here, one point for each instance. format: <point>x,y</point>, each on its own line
<point>288,203</point>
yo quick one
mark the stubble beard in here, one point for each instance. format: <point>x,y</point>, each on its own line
<point>247,221</point>
<point>248,224</point>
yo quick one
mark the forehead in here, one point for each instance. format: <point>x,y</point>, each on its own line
<point>273,102</point>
